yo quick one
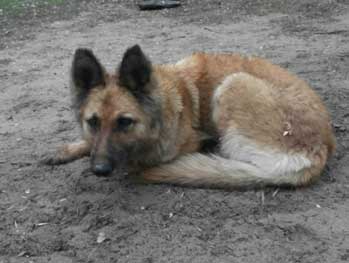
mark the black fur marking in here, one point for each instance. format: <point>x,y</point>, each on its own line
<point>123,124</point>
<point>118,155</point>
<point>153,109</point>
<point>86,73</point>
<point>209,145</point>
<point>124,155</point>
<point>135,71</point>
<point>94,122</point>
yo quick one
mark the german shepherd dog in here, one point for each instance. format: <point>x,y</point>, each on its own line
<point>271,128</point>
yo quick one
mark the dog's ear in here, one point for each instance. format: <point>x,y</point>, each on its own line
<point>135,71</point>
<point>86,72</point>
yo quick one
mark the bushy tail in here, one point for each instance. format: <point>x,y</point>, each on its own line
<point>215,171</point>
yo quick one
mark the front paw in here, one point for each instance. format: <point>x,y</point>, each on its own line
<point>54,158</point>
<point>67,153</point>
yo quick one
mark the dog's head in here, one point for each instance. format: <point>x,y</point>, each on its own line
<point>119,113</point>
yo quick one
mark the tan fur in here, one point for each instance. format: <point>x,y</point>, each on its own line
<point>271,126</point>
<point>264,103</point>
<point>68,153</point>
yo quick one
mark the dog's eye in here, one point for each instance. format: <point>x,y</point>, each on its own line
<point>123,123</point>
<point>93,122</point>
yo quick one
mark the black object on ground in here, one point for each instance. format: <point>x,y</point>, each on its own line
<point>158,4</point>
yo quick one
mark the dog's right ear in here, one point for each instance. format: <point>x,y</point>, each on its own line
<point>86,73</point>
<point>135,71</point>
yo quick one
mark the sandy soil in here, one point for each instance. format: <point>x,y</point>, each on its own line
<point>55,214</point>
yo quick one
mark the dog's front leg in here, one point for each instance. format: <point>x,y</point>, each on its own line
<point>67,153</point>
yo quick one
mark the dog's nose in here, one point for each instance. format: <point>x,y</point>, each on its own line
<point>102,168</point>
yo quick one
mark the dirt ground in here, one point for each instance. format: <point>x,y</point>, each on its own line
<point>57,214</point>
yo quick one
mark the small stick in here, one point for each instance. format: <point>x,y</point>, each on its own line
<point>275,192</point>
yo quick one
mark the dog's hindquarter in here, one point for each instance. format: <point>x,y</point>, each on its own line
<point>283,131</point>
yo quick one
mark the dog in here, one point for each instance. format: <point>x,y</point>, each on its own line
<point>271,128</point>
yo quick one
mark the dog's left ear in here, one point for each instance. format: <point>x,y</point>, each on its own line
<point>135,71</point>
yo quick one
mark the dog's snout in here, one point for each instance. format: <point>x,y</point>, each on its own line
<point>102,168</point>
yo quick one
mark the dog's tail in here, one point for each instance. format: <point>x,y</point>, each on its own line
<point>215,171</point>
